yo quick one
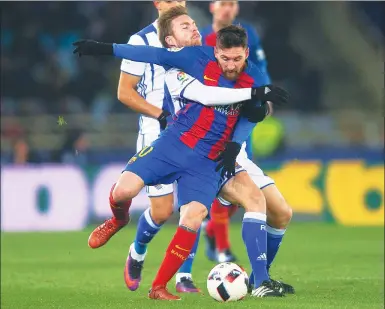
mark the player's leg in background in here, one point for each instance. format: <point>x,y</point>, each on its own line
<point>240,189</point>
<point>217,233</point>
<point>279,214</point>
<point>149,224</point>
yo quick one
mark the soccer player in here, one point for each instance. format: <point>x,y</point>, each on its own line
<point>141,88</point>
<point>217,228</point>
<point>279,212</point>
<point>203,129</point>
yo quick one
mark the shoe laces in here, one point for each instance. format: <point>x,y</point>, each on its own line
<point>187,282</point>
<point>106,226</point>
<point>135,268</point>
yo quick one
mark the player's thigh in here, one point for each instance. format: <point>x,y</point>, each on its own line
<point>153,165</point>
<point>223,182</point>
<point>198,183</point>
<point>279,213</point>
<point>241,190</point>
<point>255,172</point>
<point>161,201</point>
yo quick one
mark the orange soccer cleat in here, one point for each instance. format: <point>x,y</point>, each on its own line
<point>160,292</point>
<point>105,231</point>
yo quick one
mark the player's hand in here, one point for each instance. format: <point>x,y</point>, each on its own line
<point>90,47</point>
<point>270,93</point>
<point>163,119</point>
<point>255,112</point>
<point>227,159</point>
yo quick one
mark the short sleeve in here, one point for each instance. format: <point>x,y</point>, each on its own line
<point>132,67</point>
<point>177,81</point>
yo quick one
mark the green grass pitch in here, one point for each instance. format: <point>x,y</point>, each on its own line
<point>330,267</point>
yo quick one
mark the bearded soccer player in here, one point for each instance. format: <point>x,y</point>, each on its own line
<point>279,212</point>
<point>217,228</point>
<point>141,88</point>
<point>187,148</point>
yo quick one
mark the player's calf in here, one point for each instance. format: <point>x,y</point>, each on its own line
<point>121,195</point>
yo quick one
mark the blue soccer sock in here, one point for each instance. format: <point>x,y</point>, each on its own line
<point>185,270</point>
<point>255,239</point>
<point>145,232</point>
<point>274,239</point>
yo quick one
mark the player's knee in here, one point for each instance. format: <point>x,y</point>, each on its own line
<point>279,216</point>
<point>127,187</point>
<point>162,208</point>
<point>192,215</point>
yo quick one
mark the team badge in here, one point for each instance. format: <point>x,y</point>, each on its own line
<point>181,76</point>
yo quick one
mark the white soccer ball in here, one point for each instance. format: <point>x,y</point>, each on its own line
<point>227,282</point>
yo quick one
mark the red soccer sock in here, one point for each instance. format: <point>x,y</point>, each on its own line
<point>210,228</point>
<point>220,217</point>
<point>232,210</point>
<point>177,252</point>
<point>120,210</point>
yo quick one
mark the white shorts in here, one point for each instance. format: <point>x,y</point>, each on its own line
<point>256,174</point>
<point>158,190</point>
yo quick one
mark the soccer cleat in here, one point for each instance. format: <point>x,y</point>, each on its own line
<point>161,293</point>
<point>283,287</point>
<point>132,272</point>
<point>226,256</point>
<point>266,289</point>
<point>102,234</point>
<point>186,285</point>
<point>210,248</point>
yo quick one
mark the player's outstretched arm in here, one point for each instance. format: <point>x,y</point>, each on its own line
<point>209,96</point>
<point>183,58</point>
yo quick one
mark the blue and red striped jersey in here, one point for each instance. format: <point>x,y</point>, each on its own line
<point>203,128</point>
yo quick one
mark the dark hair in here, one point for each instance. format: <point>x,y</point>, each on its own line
<point>232,36</point>
<point>165,22</point>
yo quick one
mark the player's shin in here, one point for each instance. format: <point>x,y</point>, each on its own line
<point>182,243</point>
<point>186,268</point>
<point>119,208</point>
<point>184,281</point>
<point>176,254</point>
<point>274,239</point>
<point>254,237</point>
<point>145,232</point>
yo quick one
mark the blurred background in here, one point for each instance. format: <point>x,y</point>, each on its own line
<point>65,137</point>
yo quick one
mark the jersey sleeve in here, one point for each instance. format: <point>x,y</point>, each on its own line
<point>133,67</point>
<point>182,58</point>
<point>188,88</point>
<point>242,130</point>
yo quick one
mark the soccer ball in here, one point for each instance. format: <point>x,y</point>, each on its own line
<point>227,282</point>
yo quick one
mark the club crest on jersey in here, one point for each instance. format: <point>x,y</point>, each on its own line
<point>181,76</point>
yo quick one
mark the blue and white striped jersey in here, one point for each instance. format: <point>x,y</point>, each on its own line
<point>151,85</point>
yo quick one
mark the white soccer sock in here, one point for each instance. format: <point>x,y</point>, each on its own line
<point>136,256</point>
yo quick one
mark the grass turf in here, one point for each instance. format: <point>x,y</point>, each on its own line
<point>330,267</point>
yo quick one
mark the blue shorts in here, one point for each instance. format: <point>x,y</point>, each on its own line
<point>168,160</point>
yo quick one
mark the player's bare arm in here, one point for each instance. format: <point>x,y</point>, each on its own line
<point>128,95</point>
